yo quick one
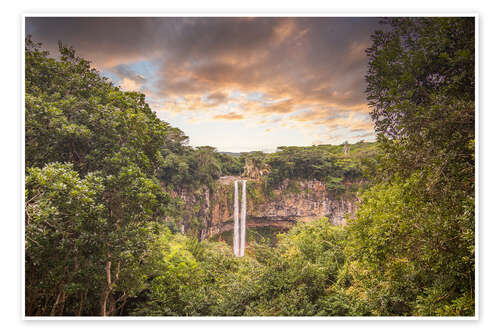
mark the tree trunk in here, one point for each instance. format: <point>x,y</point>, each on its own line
<point>109,287</point>
<point>54,307</point>
<point>104,301</point>
<point>105,294</point>
<point>62,303</point>
<point>83,295</point>
<point>112,305</point>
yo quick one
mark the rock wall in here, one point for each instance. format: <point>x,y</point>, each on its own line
<point>282,206</point>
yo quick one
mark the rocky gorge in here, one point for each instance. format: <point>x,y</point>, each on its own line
<point>209,212</point>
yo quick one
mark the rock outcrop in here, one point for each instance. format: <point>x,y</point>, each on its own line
<point>283,206</point>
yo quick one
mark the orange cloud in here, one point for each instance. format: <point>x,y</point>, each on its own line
<point>229,116</point>
<point>299,63</point>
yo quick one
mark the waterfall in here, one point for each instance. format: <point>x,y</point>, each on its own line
<point>236,229</point>
<point>239,230</point>
<point>243,217</point>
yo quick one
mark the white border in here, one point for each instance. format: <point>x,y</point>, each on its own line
<point>266,13</point>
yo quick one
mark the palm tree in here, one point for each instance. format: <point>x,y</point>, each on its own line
<point>255,168</point>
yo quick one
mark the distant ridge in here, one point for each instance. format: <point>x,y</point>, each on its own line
<point>230,153</point>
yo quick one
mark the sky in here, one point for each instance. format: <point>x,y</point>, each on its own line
<point>234,83</point>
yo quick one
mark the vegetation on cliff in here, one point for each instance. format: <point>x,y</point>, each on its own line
<point>195,172</point>
<point>327,163</point>
<point>101,168</point>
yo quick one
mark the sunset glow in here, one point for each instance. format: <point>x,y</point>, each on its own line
<point>238,84</point>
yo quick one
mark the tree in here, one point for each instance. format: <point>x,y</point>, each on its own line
<point>296,275</point>
<point>421,87</point>
<point>74,115</point>
<point>255,167</point>
<point>411,245</point>
<point>92,160</point>
<point>410,256</point>
<point>62,215</point>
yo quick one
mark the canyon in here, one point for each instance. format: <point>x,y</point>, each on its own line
<point>281,205</point>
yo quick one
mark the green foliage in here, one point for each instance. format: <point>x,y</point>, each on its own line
<point>93,202</point>
<point>421,88</point>
<point>335,185</point>
<point>188,278</point>
<point>256,192</point>
<point>410,256</point>
<point>74,115</point>
<point>192,168</point>
<point>411,246</point>
<point>206,279</point>
<point>296,275</point>
<point>326,163</point>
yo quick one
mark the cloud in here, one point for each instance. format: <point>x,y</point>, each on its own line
<point>216,98</point>
<point>129,85</point>
<point>107,41</point>
<point>229,116</point>
<point>124,72</point>
<point>307,70</point>
<point>335,119</point>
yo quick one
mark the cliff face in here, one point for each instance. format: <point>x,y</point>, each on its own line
<point>282,206</point>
